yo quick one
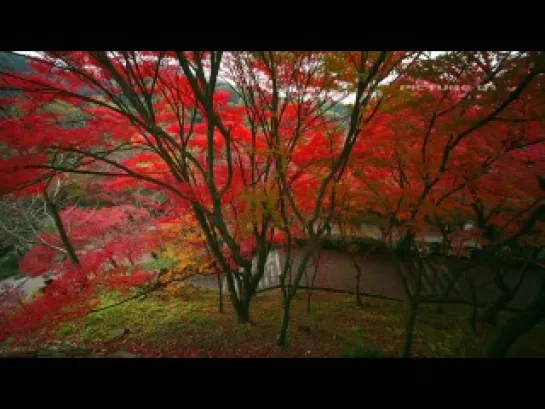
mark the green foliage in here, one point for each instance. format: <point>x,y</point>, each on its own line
<point>49,228</point>
<point>10,262</point>
<point>67,329</point>
<point>159,264</point>
<point>9,266</point>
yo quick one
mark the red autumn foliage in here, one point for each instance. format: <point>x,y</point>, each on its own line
<point>255,174</point>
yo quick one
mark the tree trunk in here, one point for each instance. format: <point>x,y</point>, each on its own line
<point>244,312</point>
<point>359,301</point>
<point>490,314</point>
<point>473,318</point>
<point>242,308</point>
<point>311,289</point>
<point>309,292</point>
<point>239,298</point>
<point>316,259</point>
<point>289,295</point>
<point>282,337</point>
<point>220,301</point>
<point>52,208</point>
<point>409,329</point>
<point>519,325</point>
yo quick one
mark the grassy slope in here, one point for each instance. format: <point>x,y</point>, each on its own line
<point>189,325</point>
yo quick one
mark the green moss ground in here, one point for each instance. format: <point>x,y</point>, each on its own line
<point>188,324</point>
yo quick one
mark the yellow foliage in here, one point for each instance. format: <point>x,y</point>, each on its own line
<point>260,202</point>
<point>186,247</point>
<point>174,288</point>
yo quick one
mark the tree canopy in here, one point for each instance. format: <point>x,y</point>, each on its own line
<point>258,149</point>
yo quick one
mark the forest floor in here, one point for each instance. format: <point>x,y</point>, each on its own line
<point>187,324</point>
